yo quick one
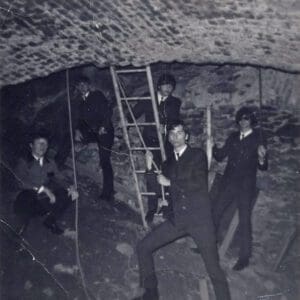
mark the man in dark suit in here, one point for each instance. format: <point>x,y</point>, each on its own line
<point>168,111</point>
<point>246,152</point>
<point>42,191</point>
<point>185,173</point>
<point>91,116</point>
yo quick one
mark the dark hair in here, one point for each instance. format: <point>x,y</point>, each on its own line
<point>246,111</point>
<point>82,78</point>
<point>166,79</point>
<point>177,123</point>
<point>39,134</point>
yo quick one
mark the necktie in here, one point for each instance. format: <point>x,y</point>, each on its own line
<point>242,136</point>
<point>177,155</point>
<point>40,162</point>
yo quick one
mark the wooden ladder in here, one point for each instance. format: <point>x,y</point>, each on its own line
<point>124,101</point>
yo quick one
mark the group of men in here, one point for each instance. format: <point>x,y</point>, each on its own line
<point>184,173</point>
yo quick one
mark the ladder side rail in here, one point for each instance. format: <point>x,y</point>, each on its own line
<point>135,124</point>
<point>118,97</point>
<point>156,118</point>
<point>155,111</point>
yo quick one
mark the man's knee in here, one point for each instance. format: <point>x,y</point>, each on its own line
<point>24,201</point>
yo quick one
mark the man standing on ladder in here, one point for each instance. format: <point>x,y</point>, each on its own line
<point>91,118</point>
<point>168,111</point>
<point>246,152</point>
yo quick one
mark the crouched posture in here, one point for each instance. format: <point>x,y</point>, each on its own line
<point>186,175</point>
<point>41,191</point>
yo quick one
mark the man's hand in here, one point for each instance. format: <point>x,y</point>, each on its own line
<point>73,192</point>
<point>50,195</point>
<point>149,159</point>
<point>261,151</point>
<point>162,129</point>
<point>163,180</point>
<point>78,136</point>
<point>102,131</point>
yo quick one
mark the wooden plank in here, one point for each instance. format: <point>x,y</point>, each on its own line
<point>284,249</point>
<point>203,289</point>
<point>229,235</point>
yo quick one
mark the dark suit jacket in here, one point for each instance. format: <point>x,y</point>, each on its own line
<point>32,175</point>
<point>242,164</point>
<point>168,110</point>
<point>189,189</point>
<point>93,112</point>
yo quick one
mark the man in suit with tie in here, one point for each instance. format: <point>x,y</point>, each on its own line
<point>168,111</point>
<point>186,175</point>
<point>246,152</point>
<point>42,190</point>
<point>91,117</point>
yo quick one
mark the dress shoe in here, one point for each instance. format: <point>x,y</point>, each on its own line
<point>241,264</point>
<point>53,227</point>
<point>149,294</point>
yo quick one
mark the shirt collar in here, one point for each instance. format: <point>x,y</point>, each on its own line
<point>86,95</point>
<point>161,98</point>
<point>180,152</point>
<point>39,159</point>
<point>244,134</point>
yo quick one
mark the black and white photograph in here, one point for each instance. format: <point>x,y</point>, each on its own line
<point>149,149</point>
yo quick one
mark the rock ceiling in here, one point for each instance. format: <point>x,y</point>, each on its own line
<point>39,37</point>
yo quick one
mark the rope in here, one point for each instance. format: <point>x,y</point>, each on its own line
<point>135,123</point>
<point>25,246</point>
<point>260,104</point>
<point>76,185</point>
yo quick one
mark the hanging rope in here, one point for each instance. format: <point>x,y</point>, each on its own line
<point>26,246</point>
<point>260,105</point>
<point>76,186</point>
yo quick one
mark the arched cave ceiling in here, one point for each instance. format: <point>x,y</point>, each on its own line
<point>39,37</point>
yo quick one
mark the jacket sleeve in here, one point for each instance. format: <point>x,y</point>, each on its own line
<point>138,110</point>
<point>22,175</point>
<point>175,115</point>
<point>220,153</point>
<point>108,113</point>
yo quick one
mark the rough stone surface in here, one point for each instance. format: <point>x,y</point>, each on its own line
<point>41,37</point>
<point>107,235</point>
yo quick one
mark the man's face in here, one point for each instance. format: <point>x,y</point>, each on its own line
<point>39,147</point>
<point>83,87</point>
<point>166,89</point>
<point>177,136</point>
<point>245,122</point>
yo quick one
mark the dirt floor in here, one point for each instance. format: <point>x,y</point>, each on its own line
<point>46,268</point>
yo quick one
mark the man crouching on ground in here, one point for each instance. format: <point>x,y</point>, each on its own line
<point>42,193</point>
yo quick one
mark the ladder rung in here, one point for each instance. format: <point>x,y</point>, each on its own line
<point>131,71</point>
<point>135,98</point>
<point>141,124</point>
<point>142,171</point>
<point>144,149</point>
<point>150,193</point>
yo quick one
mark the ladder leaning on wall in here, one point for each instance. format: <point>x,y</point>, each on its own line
<point>124,103</point>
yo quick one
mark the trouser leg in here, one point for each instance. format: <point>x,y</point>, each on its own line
<point>205,240</point>
<point>245,235</point>
<point>159,237</point>
<point>63,201</point>
<point>105,144</point>
<point>224,199</point>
